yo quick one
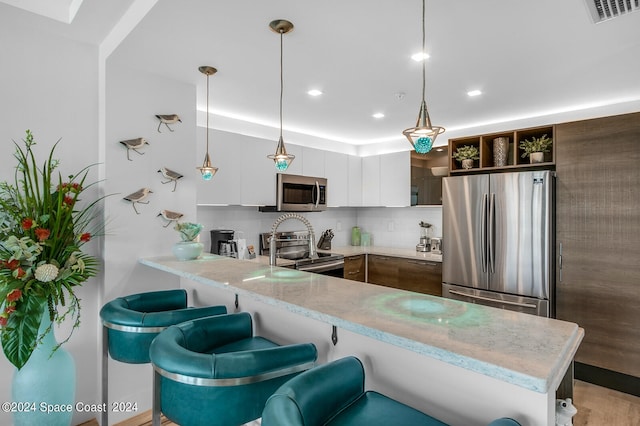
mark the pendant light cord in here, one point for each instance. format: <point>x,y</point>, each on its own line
<point>424,52</point>
<point>281,80</point>
<point>207,113</point>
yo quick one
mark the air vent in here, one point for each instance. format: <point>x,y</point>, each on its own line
<point>602,10</point>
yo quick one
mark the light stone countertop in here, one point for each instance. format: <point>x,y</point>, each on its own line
<point>409,253</point>
<point>521,349</point>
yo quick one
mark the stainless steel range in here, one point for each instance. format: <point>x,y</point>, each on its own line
<point>294,245</point>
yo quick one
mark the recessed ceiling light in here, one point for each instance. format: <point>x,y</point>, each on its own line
<point>474,93</point>
<point>378,115</point>
<point>420,56</point>
<point>314,92</point>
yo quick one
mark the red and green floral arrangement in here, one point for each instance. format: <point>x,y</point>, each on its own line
<point>43,226</point>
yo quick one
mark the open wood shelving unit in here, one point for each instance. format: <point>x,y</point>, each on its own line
<point>484,143</point>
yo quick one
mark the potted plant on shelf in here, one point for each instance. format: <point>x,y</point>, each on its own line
<point>535,148</point>
<point>189,247</point>
<point>43,226</point>
<point>466,155</point>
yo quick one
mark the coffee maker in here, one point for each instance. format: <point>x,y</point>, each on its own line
<point>222,242</point>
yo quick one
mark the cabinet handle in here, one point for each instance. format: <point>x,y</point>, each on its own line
<point>417,262</point>
<point>353,272</point>
<point>381,257</point>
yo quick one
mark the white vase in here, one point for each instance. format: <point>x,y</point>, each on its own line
<point>187,250</point>
<point>536,157</point>
<point>467,163</point>
<point>47,382</point>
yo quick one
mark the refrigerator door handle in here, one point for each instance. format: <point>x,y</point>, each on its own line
<point>483,233</point>
<point>491,234</point>
<point>489,299</point>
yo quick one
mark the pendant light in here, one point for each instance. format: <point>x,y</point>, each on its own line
<point>423,135</point>
<point>206,169</point>
<point>281,158</point>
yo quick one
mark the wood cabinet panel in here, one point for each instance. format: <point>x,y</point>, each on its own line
<point>382,270</point>
<point>416,275</point>
<point>420,276</point>
<point>354,268</point>
<point>598,228</point>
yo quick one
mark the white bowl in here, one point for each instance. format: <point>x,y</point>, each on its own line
<point>440,171</point>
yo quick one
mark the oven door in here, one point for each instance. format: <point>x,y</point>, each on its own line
<point>333,268</point>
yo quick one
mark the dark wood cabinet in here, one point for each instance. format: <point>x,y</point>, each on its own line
<point>354,267</point>
<point>598,238</point>
<point>420,276</point>
<point>382,270</point>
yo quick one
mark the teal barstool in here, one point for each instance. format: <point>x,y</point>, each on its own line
<point>333,395</point>
<point>130,323</point>
<point>213,371</point>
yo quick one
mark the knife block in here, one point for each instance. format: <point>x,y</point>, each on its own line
<point>324,243</point>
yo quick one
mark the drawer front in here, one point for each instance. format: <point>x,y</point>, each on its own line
<point>354,268</point>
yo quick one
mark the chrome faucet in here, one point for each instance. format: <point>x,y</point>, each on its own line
<point>272,239</point>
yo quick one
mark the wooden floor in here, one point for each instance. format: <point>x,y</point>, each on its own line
<point>597,406</point>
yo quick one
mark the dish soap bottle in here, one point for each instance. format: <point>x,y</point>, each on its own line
<point>355,236</point>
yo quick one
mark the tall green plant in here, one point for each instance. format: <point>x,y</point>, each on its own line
<point>42,230</point>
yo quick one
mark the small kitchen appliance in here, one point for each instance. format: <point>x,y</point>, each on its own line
<point>425,237</point>
<point>222,239</point>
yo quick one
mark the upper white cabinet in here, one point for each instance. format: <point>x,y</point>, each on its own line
<point>225,151</point>
<point>371,181</point>
<point>313,162</point>
<point>386,180</point>
<point>355,181</point>
<point>257,174</point>
<point>336,167</point>
<point>247,177</point>
<point>395,179</point>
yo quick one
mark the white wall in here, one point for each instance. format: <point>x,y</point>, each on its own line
<point>133,99</point>
<point>49,85</point>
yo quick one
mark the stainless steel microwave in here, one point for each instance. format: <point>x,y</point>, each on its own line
<point>295,193</point>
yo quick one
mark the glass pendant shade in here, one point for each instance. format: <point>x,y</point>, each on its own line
<point>207,170</point>
<point>423,135</point>
<point>281,158</point>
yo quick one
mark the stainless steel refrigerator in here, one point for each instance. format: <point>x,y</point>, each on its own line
<point>498,232</point>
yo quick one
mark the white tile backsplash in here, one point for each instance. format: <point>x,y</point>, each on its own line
<point>389,226</point>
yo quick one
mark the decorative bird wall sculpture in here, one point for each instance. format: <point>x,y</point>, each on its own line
<point>135,145</point>
<point>170,216</point>
<point>167,119</point>
<point>138,197</point>
<point>171,176</point>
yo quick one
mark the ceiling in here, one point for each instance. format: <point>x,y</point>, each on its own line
<point>536,61</point>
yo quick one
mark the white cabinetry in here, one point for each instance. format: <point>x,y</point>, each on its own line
<point>313,162</point>
<point>225,151</point>
<point>371,181</point>
<point>336,169</point>
<point>258,180</point>
<point>355,181</point>
<point>386,180</point>
<point>395,179</point>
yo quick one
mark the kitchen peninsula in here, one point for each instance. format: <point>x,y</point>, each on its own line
<point>463,363</point>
